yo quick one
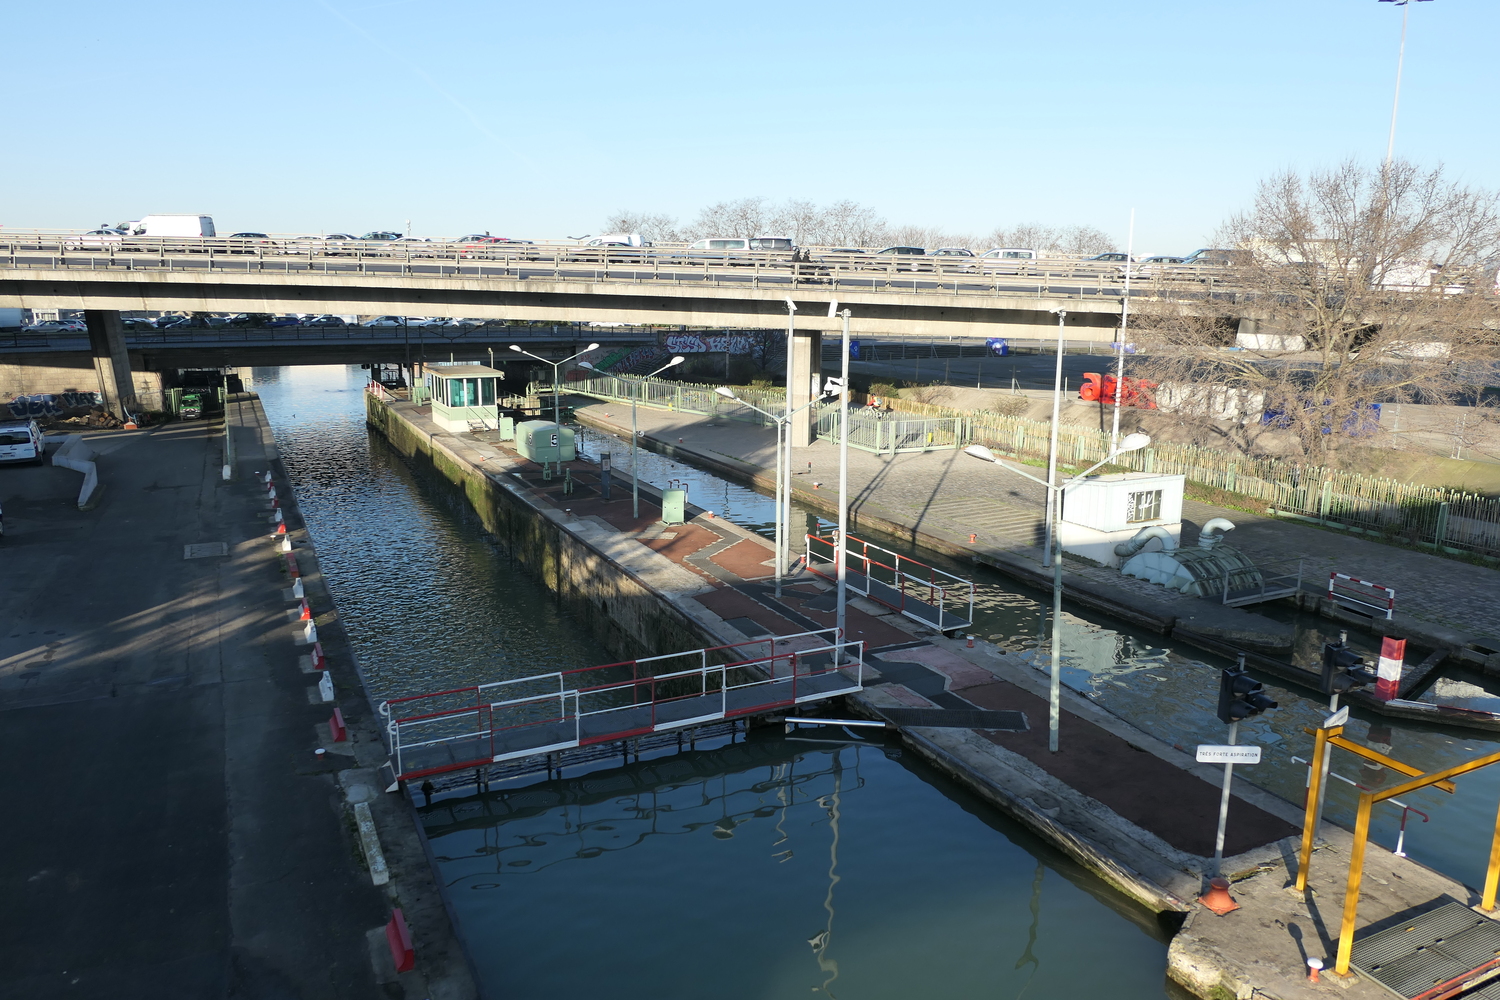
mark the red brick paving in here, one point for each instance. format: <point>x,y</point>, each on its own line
<point>1155,795</point>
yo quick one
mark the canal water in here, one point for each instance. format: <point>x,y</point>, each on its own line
<point>766,867</point>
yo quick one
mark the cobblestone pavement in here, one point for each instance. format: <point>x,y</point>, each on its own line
<point>948,494</point>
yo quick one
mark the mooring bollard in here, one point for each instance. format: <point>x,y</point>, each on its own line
<point>973,538</point>
<point>1314,966</point>
<point>1217,898</point>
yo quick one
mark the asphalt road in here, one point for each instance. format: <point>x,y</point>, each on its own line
<point>168,832</point>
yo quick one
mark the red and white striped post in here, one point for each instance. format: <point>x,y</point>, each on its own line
<point>1392,660</point>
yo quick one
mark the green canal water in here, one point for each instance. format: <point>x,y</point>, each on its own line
<point>778,867</point>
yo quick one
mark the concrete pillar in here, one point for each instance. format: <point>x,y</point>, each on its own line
<point>111,360</point>
<point>807,379</point>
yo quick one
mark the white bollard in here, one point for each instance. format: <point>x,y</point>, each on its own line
<point>325,687</point>
<point>227,473</point>
<point>286,543</point>
<point>310,632</point>
<point>277,518</point>
<point>297,589</point>
<point>266,478</point>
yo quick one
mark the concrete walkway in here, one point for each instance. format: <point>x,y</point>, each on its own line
<point>947,495</point>
<point>170,831</point>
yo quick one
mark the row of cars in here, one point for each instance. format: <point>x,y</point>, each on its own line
<point>260,321</point>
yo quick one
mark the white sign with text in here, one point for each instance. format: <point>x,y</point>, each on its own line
<point>1212,754</point>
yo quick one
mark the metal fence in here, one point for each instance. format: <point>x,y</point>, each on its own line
<point>1430,516</point>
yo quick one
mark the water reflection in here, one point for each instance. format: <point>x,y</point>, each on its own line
<point>766,868</point>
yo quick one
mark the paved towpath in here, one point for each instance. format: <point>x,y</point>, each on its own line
<point>949,495</point>
<point>169,830</point>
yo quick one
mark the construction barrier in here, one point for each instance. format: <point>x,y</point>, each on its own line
<point>1346,590</point>
<point>398,937</point>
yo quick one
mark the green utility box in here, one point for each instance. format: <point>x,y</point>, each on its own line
<point>543,441</point>
<point>507,428</point>
<point>674,506</point>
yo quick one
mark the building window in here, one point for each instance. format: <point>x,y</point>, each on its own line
<point>1143,506</point>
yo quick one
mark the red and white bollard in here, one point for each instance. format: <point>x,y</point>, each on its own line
<point>336,727</point>
<point>971,642</point>
<point>1314,966</point>
<point>305,613</point>
<point>1392,661</point>
<point>319,661</point>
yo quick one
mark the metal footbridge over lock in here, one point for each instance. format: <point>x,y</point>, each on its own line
<point>925,594</point>
<point>471,727</point>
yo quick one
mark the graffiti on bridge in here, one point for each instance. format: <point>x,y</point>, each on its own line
<point>687,343</point>
<point>53,404</point>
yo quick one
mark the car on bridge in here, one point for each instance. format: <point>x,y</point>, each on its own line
<point>250,242</point>
<point>101,239</point>
<point>381,322</point>
<point>1007,260</point>
<point>325,322</point>
<point>57,326</point>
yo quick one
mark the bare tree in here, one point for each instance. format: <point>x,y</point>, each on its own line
<point>850,224</point>
<point>744,217</point>
<point>653,227</point>
<point>1077,240</point>
<point>803,221</point>
<point>1350,292</point>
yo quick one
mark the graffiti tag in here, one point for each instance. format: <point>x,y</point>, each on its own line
<point>685,343</point>
<point>52,404</point>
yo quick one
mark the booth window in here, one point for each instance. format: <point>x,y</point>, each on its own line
<point>1143,506</point>
<point>487,392</point>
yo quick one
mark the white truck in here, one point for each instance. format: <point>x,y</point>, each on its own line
<point>12,319</point>
<point>174,226</point>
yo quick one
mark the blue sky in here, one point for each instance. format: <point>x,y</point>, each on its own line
<point>538,120</point>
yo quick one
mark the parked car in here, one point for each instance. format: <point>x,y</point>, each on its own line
<point>283,321</point>
<point>22,441</point>
<point>57,326</point>
<point>173,322</point>
<point>134,325</point>
<point>249,319</point>
<point>384,321</point>
<point>325,322</point>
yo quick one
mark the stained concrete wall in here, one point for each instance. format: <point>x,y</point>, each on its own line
<point>69,372</point>
<point>626,617</point>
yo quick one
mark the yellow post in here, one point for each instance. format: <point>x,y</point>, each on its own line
<point>1492,875</point>
<point>1310,819</point>
<point>1351,888</point>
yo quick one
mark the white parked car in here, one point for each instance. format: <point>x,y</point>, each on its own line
<point>22,441</point>
<point>57,326</point>
<point>385,321</point>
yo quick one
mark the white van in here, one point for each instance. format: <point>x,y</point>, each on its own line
<point>732,244</point>
<point>1007,260</point>
<point>22,441</point>
<point>176,226</point>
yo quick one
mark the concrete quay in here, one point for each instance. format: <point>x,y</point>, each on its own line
<point>937,499</point>
<point>1135,811</point>
<point>172,831</point>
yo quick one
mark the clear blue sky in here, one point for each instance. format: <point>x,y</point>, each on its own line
<point>538,120</point>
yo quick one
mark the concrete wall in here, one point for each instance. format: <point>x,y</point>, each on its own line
<point>71,371</point>
<point>626,617</point>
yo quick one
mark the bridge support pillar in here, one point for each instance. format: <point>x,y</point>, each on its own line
<point>807,380</point>
<point>111,360</point>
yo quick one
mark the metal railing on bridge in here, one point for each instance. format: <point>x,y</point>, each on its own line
<point>548,713</point>
<point>1057,277</point>
<point>925,594</point>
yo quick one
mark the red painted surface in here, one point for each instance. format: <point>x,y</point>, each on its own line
<point>337,727</point>
<point>399,939</point>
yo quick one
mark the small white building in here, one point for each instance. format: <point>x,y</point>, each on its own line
<point>463,396</point>
<point>1101,511</point>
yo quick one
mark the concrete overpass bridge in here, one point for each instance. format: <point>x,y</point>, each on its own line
<point>927,298</point>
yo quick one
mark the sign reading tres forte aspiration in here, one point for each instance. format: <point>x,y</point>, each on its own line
<point>1211,754</point>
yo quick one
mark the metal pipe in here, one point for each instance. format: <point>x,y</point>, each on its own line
<point>1114,433</point>
<point>1234,730</point>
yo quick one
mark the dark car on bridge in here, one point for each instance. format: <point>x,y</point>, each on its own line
<point>250,242</point>
<point>325,322</point>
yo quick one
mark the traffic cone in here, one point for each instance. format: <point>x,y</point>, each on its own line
<point>281,528</point>
<point>306,613</point>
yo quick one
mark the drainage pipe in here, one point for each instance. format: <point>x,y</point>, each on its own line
<point>1138,541</point>
<point>1213,532</point>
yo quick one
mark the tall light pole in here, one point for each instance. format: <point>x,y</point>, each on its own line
<point>1390,143</point>
<point>556,392</point>
<point>1114,433</point>
<point>783,428</point>
<point>635,479</point>
<point>842,556</point>
<point>1062,314</point>
<point>1131,442</point>
<point>784,494</point>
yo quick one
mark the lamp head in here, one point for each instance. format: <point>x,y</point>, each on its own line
<point>1133,442</point>
<point>592,347</point>
<point>980,452</point>
<point>516,348</point>
<point>790,305</point>
<point>676,361</point>
<point>726,392</point>
<point>586,364</point>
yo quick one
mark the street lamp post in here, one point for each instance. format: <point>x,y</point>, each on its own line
<point>635,479</point>
<point>1062,314</point>
<point>784,492</point>
<point>556,391</point>
<point>783,472</point>
<point>1390,143</point>
<point>1131,442</point>
<point>842,555</point>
